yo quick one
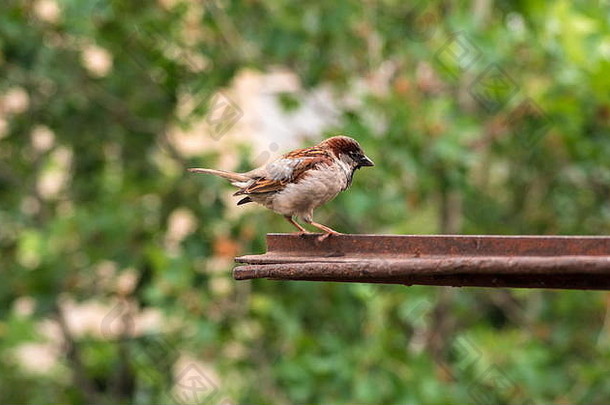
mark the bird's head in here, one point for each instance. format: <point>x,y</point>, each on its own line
<point>348,150</point>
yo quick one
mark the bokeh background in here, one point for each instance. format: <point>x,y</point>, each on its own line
<point>483,117</point>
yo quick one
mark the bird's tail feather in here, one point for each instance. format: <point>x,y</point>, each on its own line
<point>221,173</point>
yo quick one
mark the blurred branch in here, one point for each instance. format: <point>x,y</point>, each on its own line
<point>117,108</point>
<point>228,30</point>
<point>509,305</point>
<point>450,205</point>
<point>165,144</point>
<point>121,114</point>
<point>442,324</point>
<point>122,382</point>
<point>73,355</point>
<point>481,11</point>
<point>451,211</point>
<point>264,365</point>
<point>8,175</point>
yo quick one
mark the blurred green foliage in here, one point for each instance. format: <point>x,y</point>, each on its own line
<point>484,117</point>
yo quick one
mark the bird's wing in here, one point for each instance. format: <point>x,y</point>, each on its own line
<point>289,168</point>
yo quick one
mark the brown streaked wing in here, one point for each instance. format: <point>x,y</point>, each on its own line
<point>262,185</point>
<point>310,159</point>
<point>307,152</point>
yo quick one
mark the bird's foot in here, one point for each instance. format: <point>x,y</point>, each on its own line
<point>302,234</point>
<point>325,236</point>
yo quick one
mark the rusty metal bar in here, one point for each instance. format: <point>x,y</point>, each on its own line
<point>565,262</point>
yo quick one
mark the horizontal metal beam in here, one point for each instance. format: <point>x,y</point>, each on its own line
<point>565,262</point>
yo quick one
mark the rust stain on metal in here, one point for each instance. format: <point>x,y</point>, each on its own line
<point>566,262</point>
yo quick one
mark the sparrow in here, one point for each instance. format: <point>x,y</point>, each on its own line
<point>297,183</point>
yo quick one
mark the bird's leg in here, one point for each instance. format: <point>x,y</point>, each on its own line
<point>293,222</point>
<point>328,231</point>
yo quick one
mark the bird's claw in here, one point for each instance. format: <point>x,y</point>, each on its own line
<point>325,236</point>
<point>302,234</point>
<point>320,238</point>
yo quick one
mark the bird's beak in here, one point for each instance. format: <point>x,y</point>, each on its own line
<point>365,161</point>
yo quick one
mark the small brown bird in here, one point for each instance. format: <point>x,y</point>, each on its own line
<point>300,181</point>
